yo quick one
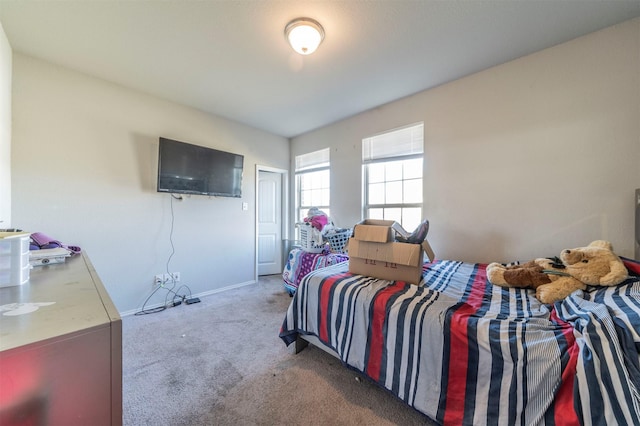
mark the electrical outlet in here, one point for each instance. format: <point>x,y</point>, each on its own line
<point>158,279</point>
<point>175,276</point>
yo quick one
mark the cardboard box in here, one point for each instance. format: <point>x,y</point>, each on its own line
<point>428,250</point>
<point>389,261</point>
<point>385,270</point>
<point>400,253</point>
<point>376,230</point>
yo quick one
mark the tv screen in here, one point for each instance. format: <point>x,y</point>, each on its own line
<point>184,168</point>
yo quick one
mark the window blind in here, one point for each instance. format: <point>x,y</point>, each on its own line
<point>312,160</point>
<point>395,143</point>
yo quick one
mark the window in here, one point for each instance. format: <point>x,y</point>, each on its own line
<point>312,182</point>
<point>392,168</point>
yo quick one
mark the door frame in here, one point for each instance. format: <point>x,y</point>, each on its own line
<point>284,208</point>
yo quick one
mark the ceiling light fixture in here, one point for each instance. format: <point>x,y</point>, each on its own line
<point>304,35</point>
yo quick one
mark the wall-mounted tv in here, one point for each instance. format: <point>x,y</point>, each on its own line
<point>184,168</point>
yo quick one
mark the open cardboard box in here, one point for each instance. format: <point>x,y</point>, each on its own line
<point>377,230</point>
<point>389,261</point>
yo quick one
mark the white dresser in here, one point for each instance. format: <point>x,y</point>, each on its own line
<point>60,362</point>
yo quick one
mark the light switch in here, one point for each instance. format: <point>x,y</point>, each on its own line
<point>245,206</point>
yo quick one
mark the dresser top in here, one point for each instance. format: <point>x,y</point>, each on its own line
<point>58,300</point>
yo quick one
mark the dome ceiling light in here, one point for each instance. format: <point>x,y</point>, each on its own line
<point>304,35</point>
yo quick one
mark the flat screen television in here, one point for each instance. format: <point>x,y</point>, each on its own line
<point>184,168</point>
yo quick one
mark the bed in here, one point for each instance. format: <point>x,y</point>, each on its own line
<point>463,351</point>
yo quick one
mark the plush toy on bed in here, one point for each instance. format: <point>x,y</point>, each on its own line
<point>555,279</point>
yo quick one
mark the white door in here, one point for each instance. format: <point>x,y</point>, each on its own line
<point>269,223</point>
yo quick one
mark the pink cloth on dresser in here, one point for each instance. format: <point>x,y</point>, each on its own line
<point>43,241</point>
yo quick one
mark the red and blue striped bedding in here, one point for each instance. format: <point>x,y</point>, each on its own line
<point>463,351</point>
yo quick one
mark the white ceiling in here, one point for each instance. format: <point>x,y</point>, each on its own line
<point>230,58</point>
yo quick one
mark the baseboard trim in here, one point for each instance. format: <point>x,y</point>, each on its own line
<point>201,295</point>
<point>227,288</point>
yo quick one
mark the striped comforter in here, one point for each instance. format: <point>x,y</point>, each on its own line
<point>463,351</point>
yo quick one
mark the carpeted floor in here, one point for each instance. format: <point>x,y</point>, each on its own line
<point>221,362</point>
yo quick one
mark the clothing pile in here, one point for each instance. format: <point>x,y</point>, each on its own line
<point>40,241</point>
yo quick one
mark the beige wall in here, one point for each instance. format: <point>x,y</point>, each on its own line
<point>521,160</point>
<point>84,172</point>
<point>5,130</point>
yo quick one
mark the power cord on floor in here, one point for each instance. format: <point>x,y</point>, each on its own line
<point>177,298</point>
<point>172,298</point>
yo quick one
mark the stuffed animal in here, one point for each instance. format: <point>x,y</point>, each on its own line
<point>554,279</point>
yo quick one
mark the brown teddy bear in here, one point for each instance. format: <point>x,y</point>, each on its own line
<point>555,279</point>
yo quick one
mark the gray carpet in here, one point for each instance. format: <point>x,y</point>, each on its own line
<point>221,362</point>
